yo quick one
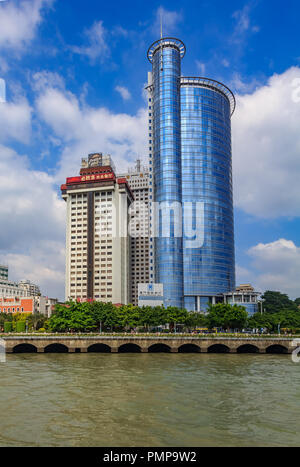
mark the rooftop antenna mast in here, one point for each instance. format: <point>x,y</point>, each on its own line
<point>161,36</point>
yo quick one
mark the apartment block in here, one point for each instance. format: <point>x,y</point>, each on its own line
<point>138,180</point>
<point>97,243</point>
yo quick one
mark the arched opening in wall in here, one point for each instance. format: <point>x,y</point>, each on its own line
<point>99,348</point>
<point>218,348</point>
<point>277,349</point>
<point>129,348</point>
<point>24,348</point>
<point>247,348</point>
<point>189,348</point>
<point>56,348</point>
<point>159,348</point>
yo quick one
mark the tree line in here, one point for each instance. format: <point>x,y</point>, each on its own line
<point>105,317</point>
<point>277,310</point>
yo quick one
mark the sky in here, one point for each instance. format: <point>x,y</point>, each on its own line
<point>72,79</point>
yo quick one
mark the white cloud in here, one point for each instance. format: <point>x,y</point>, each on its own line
<point>225,63</point>
<point>266,148</point>
<point>15,121</point>
<point>243,24</point>
<point>170,21</point>
<point>242,274</point>
<point>44,79</point>
<point>242,18</point>
<point>240,85</point>
<point>19,22</point>
<point>276,266</point>
<point>32,223</point>
<point>201,67</point>
<point>125,94</point>
<point>96,47</point>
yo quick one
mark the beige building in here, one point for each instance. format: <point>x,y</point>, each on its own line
<point>97,242</point>
<point>138,180</point>
<point>33,290</point>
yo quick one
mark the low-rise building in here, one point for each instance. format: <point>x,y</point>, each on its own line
<point>11,289</point>
<point>150,295</point>
<point>33,305</point>
<point>245,296</point>
<point>32,289</point>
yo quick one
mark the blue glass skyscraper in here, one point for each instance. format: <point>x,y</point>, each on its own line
<point>191,165</point>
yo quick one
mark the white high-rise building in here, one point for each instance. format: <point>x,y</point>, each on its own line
<point>97,243</point>
<point>138,180</point>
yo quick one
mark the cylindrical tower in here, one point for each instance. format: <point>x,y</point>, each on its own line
<point>165,56</point>
<point>209,268</point>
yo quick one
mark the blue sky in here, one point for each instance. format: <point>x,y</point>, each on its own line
<point>75,73</point>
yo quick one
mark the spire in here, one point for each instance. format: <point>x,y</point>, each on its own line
<point>161,37</point>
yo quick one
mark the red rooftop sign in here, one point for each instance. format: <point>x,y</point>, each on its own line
<point>90,178</point>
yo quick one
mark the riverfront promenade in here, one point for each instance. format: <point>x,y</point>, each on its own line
<point>145,344</point>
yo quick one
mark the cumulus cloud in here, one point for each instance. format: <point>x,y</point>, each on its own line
<point>44,265</point>
<point>83,129</point>
<point>19,22</point>
<point>96,46</point>
<point>266,148</point>
<point>125,94</point>
<point>33,223</point>
<point>276,266</point>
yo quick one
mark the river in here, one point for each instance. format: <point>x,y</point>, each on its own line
<point>149,400</point>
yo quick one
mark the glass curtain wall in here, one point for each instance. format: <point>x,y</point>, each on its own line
<point>167,166</point>
<point>209,270</point>
<point>192,166</point>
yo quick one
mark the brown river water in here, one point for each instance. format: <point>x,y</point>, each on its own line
<point>149,400</point>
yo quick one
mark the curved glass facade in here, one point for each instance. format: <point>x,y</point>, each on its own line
<point>192,165</point>
<point>207,178</point>
<point>167,166</point>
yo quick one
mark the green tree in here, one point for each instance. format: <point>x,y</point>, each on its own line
<point>176,316</point>
<point>37,321</point>
<point>60,319</point>
<point>194,320</point>
<point>235,317</point>
<point>297,301</point>
<point>215,315</point>
<point>274,302</point>
<point>128,317</point>
<point>81,317</point>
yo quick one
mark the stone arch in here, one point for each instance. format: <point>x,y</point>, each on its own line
<point>276,349</point>
<point>99,348</point>
<point>159,348</point>
<point>56,348</point>
<point>218,348</point>
<point>25,348</point>
<point>247,348</point>
<point>129,348</point>
<point>189,348</point>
